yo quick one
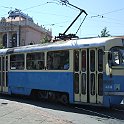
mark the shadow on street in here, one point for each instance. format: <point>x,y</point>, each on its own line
<point>106,113</point>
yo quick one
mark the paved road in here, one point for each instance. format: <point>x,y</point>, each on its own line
<point>14,110</point>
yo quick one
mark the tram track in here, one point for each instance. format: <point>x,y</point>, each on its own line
<point>94,112</point>
<point>112,113</point>
<point>119,110</point>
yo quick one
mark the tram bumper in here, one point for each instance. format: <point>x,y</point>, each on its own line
<point>114,93</point>
<point>113,98</point>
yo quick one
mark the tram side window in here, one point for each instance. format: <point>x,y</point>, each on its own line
<point>35,61</point>
<point>92,86</point>
<point>17,62</point>
<point>100,84</point>
<point>58,60</point>
<point>76,60</point>
<point>0,63</point>
<point>116,60</point>
<point>76,84</point>
<point>84,60</point>
<point>117,56</point>
<point>92,60</point>
<point>100,60</point>
<point>83,84</point>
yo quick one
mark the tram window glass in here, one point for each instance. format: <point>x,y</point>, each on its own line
<point>100,84</point>
<point>0,63</point>
<point>76,60</point>
<point>83,84</point>
<point>17,62</point>
<point>3,64</point>
<point>117,56</point>
<point>35,61</point>
<point>58,60</point>
<point>92,60</point>
<point>76,83</point>
<point>6,63</point>
<point>100,60</point>
<point>84,60</point>
<point>92,82</point>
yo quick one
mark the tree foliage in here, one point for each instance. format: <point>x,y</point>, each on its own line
<point>1,46</point>
<point>3,19</point>
<point>45,40</point>
<point>105,33</point>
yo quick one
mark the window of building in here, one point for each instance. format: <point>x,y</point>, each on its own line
<point>14,40</point>
<point>35,61</point>
<point>5,40</point>
<point>58,60</point>
<point>17,62</point>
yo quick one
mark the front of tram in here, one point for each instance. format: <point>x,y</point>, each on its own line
<point>114,77</point>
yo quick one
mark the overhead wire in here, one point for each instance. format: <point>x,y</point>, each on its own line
<point>40,5</point>
<point>55,2</point>
<point>58,3</point>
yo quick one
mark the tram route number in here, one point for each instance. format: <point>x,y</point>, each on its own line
<point>108,84</point>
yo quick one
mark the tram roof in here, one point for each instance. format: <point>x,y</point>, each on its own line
<point>60,45</point>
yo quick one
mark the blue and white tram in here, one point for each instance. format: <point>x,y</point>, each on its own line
<point>82,71</point>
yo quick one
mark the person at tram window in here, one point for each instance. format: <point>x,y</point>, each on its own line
<point>21,66</point>
<point>40,65</point>
<point>30,66</point>
<point>66,65</point>
<point>50,62</point>
<point>56,62</point>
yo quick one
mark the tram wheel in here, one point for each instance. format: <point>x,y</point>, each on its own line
<point>64,99</point>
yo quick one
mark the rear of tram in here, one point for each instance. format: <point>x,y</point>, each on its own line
<point>96,80</point>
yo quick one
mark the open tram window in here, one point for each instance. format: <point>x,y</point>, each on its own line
<point>17,62</point>
<point>35,61</point>
<point>117,56</point>
<point>58,60</point>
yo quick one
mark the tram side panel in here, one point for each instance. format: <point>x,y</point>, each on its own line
<point>24,82</point>
<point>113,89</point>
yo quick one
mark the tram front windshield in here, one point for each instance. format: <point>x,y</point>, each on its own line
<point>117,56</point>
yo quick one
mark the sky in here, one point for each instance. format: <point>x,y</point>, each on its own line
<point>51,14</point>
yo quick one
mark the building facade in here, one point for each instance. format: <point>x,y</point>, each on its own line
<point>20,30</point>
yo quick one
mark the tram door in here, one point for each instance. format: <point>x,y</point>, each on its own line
<point>3,74</point>
<point>88,75</point>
